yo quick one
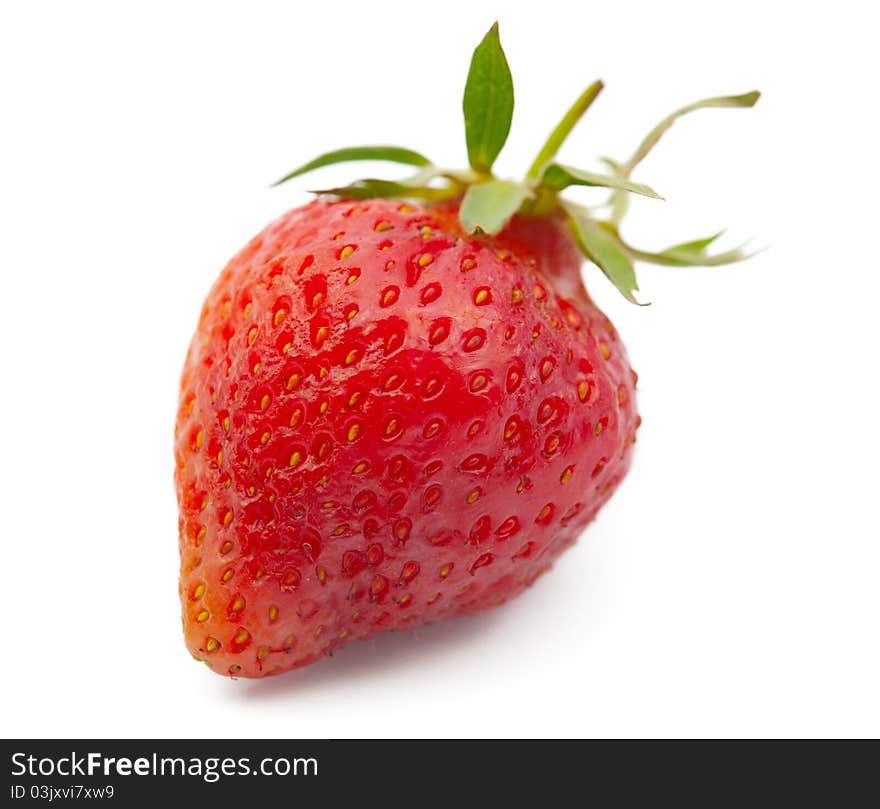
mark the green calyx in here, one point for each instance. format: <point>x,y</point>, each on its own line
<point>488,203</point>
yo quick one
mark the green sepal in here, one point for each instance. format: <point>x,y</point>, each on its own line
<point>387,154</point>
<point>487,103</point>
<point>489,206</point>
<point>678,257</point>
<point>599,245</point>
<point>650,140</point>
<point>388,189</point>
<point>563,129</point>
<point>695,246</point>
<point>557,176</point>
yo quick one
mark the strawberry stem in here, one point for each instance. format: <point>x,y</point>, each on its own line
<point>563,129</point>
<point>487,204</point>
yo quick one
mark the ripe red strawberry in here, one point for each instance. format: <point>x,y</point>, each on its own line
<point>390,415</point>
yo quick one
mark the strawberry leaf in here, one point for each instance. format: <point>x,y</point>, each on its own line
<point>488,206</point>
<point>487,103</point>
<point>368,189</point>
<point>600,247</point>
<point>556,176</point>
<point>677,257</point>
<point>390,154</point>
<point>563,128</point>
<point>744,100</point>
<point>695,247</point>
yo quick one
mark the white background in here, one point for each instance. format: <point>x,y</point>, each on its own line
<point>730,587</point>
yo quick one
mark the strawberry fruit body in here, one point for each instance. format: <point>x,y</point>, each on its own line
<point>391,414</point>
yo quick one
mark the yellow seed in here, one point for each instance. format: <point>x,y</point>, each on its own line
<point>516,296</point>
<point>296,458</point>
<point>227,518</point>
<point>220,458</point>
<point>425,259</point>
<point>321,335</point>
<point>352,312</point>
<point>322,408</point>
<point>265,437</point>
<point>382,226</point>
<point>322,372</point>
<point>252,335</point>
<point>211,645</point>
<point>352,278</point>
<point>316,300</point>
<point>604,351</point>
<point>226,423</point>
<point>389,265</point>
<point>204,503</point>
<point>351,357</point>
<point>279,316</point>
<point>583,391</point>
<point>262,652</point>
<point>391,427</point>
<point>346,252</point>
<point>444,571</point>
<point>353,433</point>
<point>354,399</point>
<point>468,264</point>
<point>247,309</point>
<point>241,636</point>
<point>293,381</point>
<point>201,535</point>
<point>473,496</point>
<point>238,604</point>
<point>198,592</point>
<point>226,547</point>
<point>202,616</point>
<point>481,297</point>
<point>328,505</point>
<point>273,613</point>
<point>200,436</point>
<point>227,575</point>
<point>566,475</point>
<point>264,402</point>
<point>360,468</point>
<point>285,348</point>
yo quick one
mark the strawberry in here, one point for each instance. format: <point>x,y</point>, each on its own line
<point>393,413</point>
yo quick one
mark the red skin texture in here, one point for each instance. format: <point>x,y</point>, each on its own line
<point>385,422</point>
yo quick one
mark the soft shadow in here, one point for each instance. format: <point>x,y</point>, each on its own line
<point>372,657</point>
